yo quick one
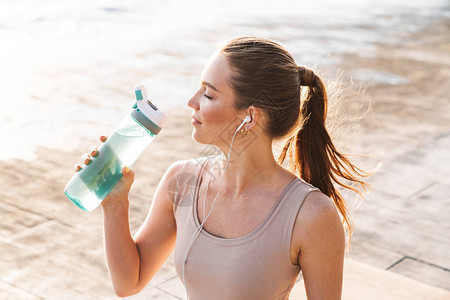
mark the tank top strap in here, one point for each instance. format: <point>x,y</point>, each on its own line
<point>185,184</point>
<point>288,210</point>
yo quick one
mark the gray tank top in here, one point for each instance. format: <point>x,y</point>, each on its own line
<point>254,266</point>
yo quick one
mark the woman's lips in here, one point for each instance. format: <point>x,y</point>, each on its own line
<point>195,121</point>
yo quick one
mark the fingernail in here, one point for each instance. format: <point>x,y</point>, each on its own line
<point>86,159</point>
<point>93,152</point>
<point>127,170</point>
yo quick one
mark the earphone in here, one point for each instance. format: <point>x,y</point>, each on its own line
<point>197,231</point>
<point>247,119</point>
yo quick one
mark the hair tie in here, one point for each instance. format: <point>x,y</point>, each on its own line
<point>307,76</point>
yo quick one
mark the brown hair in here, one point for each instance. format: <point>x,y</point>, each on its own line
<point>265,75</point>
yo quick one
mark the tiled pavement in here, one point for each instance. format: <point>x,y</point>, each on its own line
<point>51,250</point>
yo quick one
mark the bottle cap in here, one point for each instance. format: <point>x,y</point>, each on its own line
<point>146,113</point>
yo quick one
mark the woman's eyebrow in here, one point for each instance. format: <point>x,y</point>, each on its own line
<point>210,85</point>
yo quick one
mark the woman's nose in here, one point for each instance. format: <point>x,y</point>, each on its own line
<point>193,102</point>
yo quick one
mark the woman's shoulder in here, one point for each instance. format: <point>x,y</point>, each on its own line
<point>316,204</point>
<point>317,217</point>
<point>190,165</point>
<point>185,170</point>
<point>183,178</point>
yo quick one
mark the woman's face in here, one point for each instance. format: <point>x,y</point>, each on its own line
<point>213,105</point>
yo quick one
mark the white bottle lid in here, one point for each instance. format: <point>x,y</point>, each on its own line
<point>146,113</point>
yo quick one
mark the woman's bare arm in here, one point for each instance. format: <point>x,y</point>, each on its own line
<point>133,262</point>
<point>322,247</point>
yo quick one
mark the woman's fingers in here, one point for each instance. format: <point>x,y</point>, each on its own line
<point>86,159</point>
<point>93,151</point>
<point>78,168</point>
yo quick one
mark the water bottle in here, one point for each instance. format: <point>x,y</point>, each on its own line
<point>88,187</point>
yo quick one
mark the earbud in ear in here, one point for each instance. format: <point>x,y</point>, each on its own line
<point>246,120</point>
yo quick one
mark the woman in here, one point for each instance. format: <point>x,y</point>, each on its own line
<point>264,223</point>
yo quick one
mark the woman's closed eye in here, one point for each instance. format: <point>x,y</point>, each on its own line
<point>206,96</point>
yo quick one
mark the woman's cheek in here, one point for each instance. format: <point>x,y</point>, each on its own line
<point>218,117</point>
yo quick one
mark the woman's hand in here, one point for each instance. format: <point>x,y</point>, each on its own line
<point>86,158</point>
<point>119,194</point>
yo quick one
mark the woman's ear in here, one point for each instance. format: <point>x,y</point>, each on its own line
<point>255,117</point>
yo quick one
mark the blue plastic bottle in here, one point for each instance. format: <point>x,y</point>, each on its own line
<point>92,184</point>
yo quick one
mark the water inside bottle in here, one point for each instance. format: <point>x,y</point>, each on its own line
<point>121,149</point>
<point>103,173</point>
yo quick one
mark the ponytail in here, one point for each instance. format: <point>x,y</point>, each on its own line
<point>313,154</point>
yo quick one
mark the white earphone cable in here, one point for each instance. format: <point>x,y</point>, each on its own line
<point>197,231</point>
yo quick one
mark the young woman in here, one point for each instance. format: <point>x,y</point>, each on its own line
<point>242,226</point>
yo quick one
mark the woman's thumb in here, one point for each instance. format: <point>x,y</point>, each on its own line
<point>128,174</point>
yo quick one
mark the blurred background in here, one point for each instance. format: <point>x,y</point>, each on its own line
<point>67,76</point>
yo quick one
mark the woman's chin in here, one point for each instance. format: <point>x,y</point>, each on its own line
<point>196,136</point>
<point>199,138</point>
